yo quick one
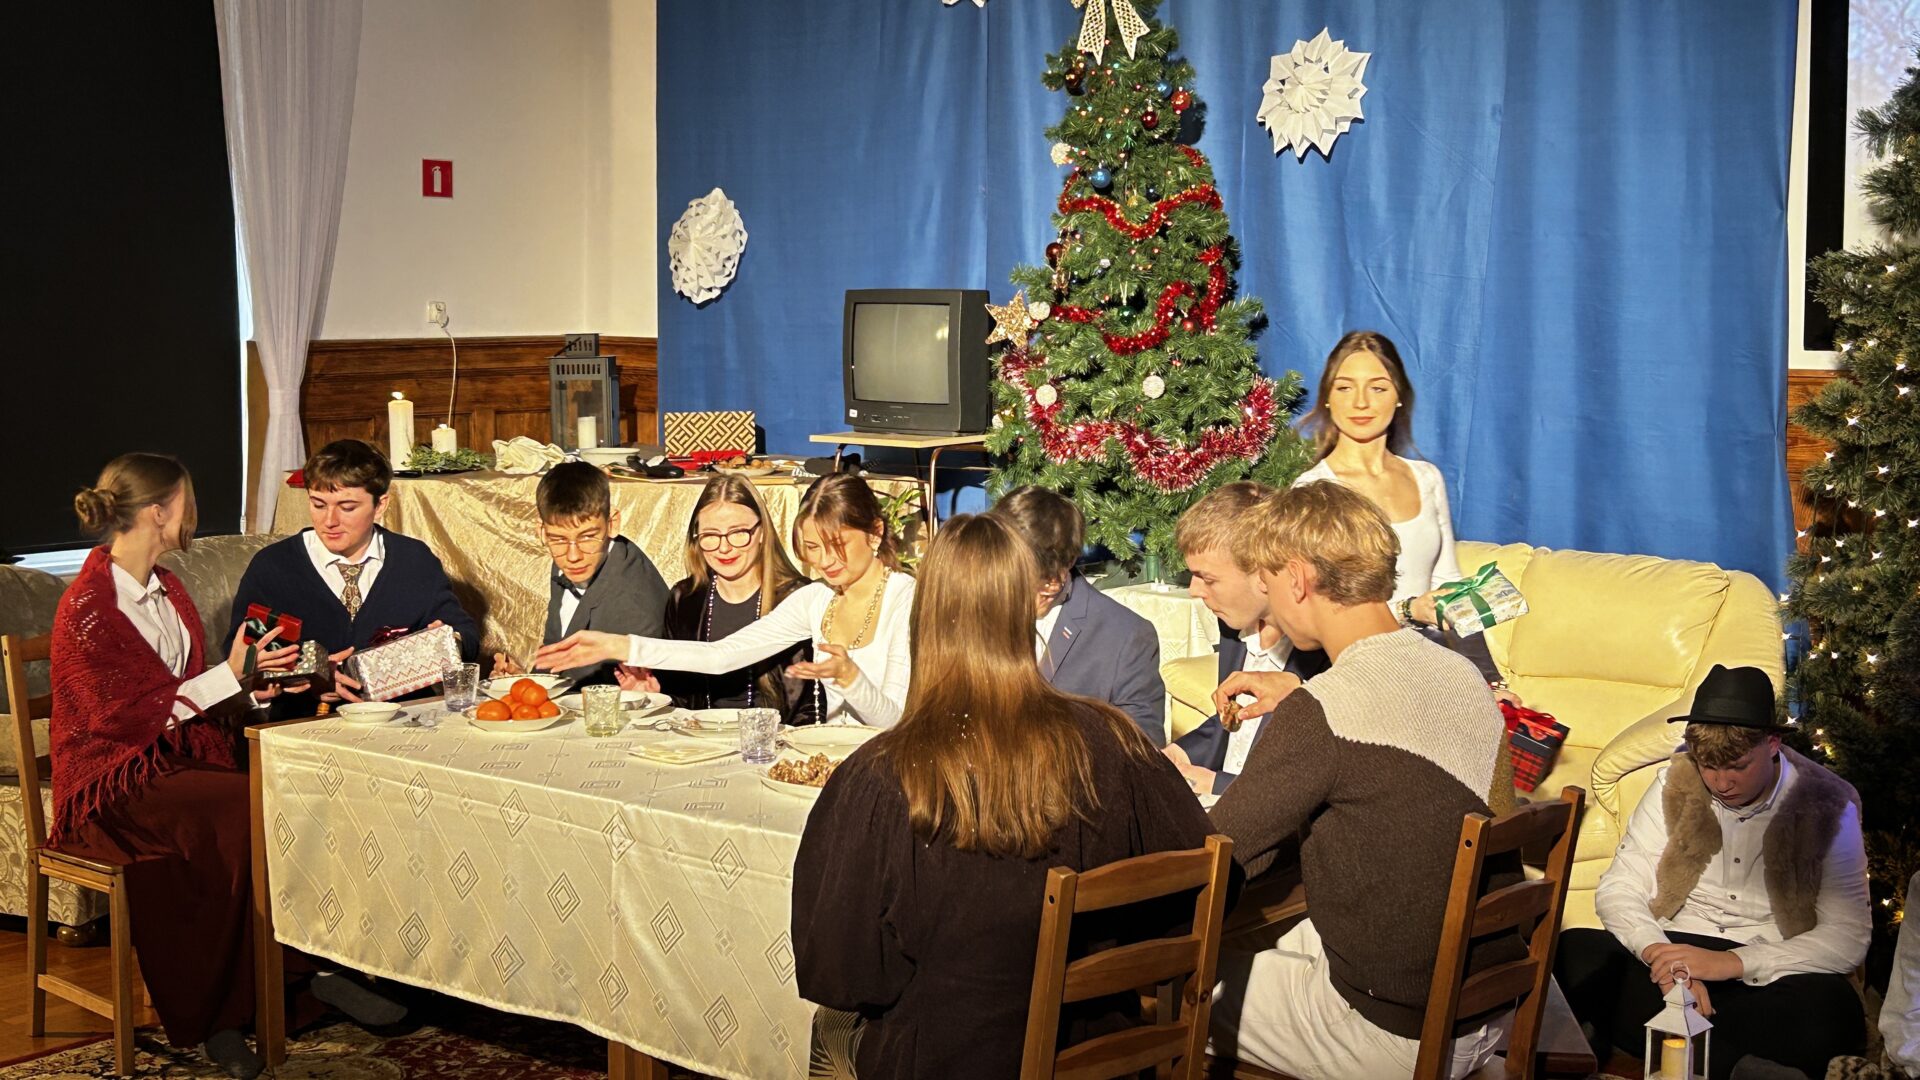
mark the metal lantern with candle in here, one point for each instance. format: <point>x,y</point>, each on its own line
<point>586,395</point>
<point>1674,1031</point>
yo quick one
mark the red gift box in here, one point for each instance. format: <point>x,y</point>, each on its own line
<point>1533,740</point>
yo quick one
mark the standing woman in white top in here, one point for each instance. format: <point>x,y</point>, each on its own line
<point>857,616</point>
<point>1362,423</point>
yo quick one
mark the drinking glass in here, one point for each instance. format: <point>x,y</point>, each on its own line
<point>602,707</point>
<point>758,728</point>
<point>462,684</point>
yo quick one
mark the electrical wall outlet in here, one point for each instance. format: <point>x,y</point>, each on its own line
<point>437,312</point>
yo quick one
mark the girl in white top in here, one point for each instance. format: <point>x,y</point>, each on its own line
<point>1363,424</point>
<point>857,616</point>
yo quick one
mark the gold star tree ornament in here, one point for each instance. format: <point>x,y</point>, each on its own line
<point>1013,322</point>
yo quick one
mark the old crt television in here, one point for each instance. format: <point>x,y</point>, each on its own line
<point>915,361</point>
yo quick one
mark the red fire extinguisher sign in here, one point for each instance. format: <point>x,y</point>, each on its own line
<point>436,179</point>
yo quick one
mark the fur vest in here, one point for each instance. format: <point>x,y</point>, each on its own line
<point>1794,849</point>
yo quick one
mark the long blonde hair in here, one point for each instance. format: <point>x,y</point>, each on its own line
<point>839,501</point>
<point>129,484</point>
<point>776,572</point>
<point>991,757</point>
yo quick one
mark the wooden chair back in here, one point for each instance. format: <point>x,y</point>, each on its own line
<point>1185,962</point>
<point>16,653</point>
<point>1533,906</point>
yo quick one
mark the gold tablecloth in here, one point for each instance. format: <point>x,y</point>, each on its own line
<point>484,529</point>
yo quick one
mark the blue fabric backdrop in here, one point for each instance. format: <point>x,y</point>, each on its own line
<point>1570,216</point>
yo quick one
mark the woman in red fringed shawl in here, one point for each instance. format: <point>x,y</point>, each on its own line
<point>143,765</point>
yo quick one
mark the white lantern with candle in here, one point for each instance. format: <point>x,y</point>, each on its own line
<point>589,432</point>
<point>399,430</point>
<point>1674,1030</point>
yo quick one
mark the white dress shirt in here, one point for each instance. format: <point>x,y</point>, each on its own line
<point>1426,558</point>
<point>885,662</point>
<point>1043,632</point>
<point>159,624</point>
<point>1900,1016</point>
<point>1730,901</point>
<point>327,564</point>
<point>1240,743</point>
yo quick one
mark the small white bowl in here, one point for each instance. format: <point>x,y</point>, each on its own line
<point>369,712</point>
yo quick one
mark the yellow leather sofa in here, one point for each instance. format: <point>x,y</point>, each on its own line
<point>1613,646</point>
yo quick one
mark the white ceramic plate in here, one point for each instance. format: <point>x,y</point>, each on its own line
<point>519,727</point>
<point>674,750</point>
<point>834,740</point>
<point>706,723</point>
<point>607,455</point>
<point>785,787</point>
<point>370,712</point>
<point>499,688</point>
<point>636,703</point>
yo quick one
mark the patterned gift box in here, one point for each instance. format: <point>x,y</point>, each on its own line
<point>692,432</point>
<point>1533,741</point>
<point>405,664</point>
<point>1484,600</point>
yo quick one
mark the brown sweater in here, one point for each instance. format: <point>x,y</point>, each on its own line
<point>934,946</point>
<point>1382,755</point>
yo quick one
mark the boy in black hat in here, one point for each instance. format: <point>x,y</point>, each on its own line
<point>1743,867</point>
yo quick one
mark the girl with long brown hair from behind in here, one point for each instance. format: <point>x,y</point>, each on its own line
<point>917,888</point>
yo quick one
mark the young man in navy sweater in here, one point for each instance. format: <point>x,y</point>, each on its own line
<point>348,578</point>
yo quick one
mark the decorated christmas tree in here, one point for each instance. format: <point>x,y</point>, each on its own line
<point>1131,384</point>
<point>1856,578</point>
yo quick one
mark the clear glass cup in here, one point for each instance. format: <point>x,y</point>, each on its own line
<point>759,729</point>
<point>462,686</point>
<point>601,704</point>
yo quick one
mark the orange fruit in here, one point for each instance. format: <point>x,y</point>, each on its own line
<point>493,710</point>
<point>528,692</point>
<point>548,710</point>
<point>526,712</point>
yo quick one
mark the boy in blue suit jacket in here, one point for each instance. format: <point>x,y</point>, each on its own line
<point>1209,533</point>
<point>1086,641</point>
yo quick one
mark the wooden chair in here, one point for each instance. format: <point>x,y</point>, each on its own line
<point>1185,963</point>
<point>45,864</point>
<point>1533,905</point>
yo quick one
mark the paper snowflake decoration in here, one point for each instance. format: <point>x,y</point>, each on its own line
<point>976,3</point>
<point>1312,95</point>
<point>703,250</point>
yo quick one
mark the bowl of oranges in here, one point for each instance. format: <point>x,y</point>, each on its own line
<point>524,706</point>
<point>504,687</point>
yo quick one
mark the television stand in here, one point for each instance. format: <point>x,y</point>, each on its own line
<point>902,441</point>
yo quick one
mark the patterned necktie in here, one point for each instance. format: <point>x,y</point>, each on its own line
<point>350,594</point>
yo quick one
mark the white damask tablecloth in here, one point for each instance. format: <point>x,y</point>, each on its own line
<point>1185,626</point>
<point>549,874</point>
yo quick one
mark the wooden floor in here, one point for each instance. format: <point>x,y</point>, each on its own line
<point>67,1024</point>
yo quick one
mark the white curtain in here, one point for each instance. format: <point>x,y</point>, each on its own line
<point>286,73</point>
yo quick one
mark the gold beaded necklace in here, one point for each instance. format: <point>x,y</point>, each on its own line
<point>873,608</point>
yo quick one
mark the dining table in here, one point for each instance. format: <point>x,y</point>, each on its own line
<point>548,873</point>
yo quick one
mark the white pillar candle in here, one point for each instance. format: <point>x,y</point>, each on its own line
<point>444,441</point>
<point>589,432</point>
<point>399,430</point>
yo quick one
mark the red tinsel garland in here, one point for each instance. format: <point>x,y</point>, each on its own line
<point>1156,335</point>
<point>1203,194</point>
<point>1161,462</point>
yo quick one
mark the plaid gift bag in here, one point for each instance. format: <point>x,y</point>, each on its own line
<point>1533,740</point>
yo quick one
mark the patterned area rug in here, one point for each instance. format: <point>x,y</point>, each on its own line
<point>463,1043</point>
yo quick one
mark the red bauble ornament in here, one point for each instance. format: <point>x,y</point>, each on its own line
<point>1149,119</point>
<point>1182,101</point>
<point>1054,251</point>
<point>1189,325</point>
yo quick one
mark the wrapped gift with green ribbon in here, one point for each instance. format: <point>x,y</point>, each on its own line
<point>1484,600</point>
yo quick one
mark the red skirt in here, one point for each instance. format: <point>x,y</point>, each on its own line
<point>185,840</point>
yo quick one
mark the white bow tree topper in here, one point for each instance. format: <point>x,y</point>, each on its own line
<point>1312,95</point>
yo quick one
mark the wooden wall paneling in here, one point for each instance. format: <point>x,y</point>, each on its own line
<point>503,388</point>
<point>1803,449</point>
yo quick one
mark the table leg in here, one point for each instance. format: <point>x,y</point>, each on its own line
<point>626,1063</point>
<point>838,450</point>
<point>933,511</point>
<point>269,972</point>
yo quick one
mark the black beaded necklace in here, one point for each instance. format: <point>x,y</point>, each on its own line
<point>706,626</point>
